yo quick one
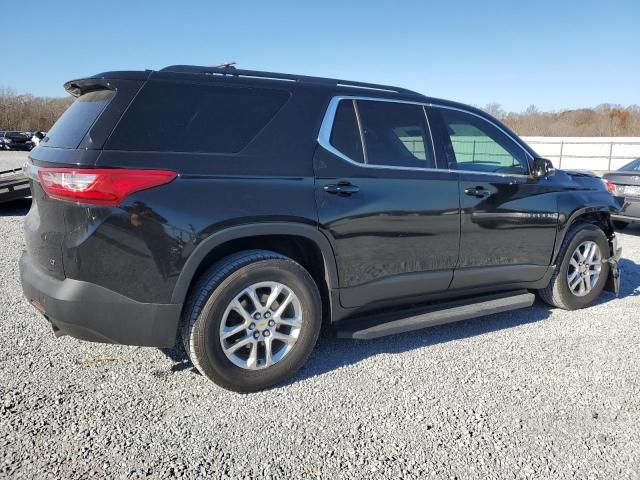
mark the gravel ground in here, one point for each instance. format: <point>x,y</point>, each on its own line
<point>535,393</point>
<point>10,159</point>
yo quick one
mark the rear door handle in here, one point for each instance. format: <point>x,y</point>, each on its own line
<point>478,192</point>
<point>342,188</point>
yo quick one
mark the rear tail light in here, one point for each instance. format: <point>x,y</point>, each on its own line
<point>108,187</point>
<point>610,186</point>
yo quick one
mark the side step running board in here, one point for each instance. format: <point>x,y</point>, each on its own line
<point>381,325</point>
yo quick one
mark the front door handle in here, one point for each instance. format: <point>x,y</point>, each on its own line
<point>478,192</point>
<point>342,188</point>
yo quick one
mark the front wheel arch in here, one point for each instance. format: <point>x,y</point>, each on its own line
<point>598,216</point>
<point>557,293</point>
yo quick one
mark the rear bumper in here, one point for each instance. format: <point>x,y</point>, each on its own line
<point>90,312</point>
<point>13,185</point>
<point>630,211</point>
<point>17,146</point>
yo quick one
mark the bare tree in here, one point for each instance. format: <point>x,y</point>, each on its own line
<point>603,120</point>
<point>30,113</point>
<point>26,112</point>
<point>494,109</point>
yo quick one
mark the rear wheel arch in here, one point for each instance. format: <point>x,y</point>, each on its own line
<point>230,323</point>
<point>302,243</point>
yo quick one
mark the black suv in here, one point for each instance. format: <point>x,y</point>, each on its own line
<point>238,210</point>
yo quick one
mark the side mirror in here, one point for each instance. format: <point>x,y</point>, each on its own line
<point>543,168</point>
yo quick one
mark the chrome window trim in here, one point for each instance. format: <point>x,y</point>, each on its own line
<point>324,136</point>
<point>374,89</point>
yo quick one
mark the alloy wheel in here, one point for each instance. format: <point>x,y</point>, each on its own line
<point>584,268</point>
<point>261,325</point>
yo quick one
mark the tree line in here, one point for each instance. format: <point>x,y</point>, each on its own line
<point>26,112</point>
<point>30,113</point>
<point>605,120</point>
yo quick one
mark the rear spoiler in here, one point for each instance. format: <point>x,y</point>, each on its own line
<point>102,81</point>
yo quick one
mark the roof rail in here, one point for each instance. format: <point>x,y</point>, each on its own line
<point>236,72</point>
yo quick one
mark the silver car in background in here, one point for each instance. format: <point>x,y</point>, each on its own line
<point>625,183</point>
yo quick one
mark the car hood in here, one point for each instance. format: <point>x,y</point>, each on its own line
<point>584,178</point>
<point>580,173</point>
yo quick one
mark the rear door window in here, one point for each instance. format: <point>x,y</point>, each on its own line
<point>395,134</point>
<point>76,121</point>
<point>182,117</point>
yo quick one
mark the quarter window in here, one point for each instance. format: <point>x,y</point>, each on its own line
<point>345,135</point>
<point>181,117</point>
<point>473,144</point>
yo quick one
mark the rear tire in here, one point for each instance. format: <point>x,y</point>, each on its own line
<point>559,292</point>
<point>620,225</point>
<point>224,300</point>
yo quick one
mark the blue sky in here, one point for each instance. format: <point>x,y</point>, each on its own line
<point>554,54</point>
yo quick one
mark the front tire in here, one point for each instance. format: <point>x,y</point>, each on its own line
<point>252,320</point>
<point>581,274</point>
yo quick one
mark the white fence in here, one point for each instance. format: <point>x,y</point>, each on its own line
<point>587,153</point>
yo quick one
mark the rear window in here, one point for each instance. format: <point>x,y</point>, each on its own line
<point>76,121</point>
<point>178,117</point>
<point>632,167</point>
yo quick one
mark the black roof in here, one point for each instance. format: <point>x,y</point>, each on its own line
<point>75,87</point>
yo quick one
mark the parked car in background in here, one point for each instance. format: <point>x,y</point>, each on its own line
<point>13,140</point>
<point>238,210</point>
<point>625,183</point>
<point>14,185</point>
